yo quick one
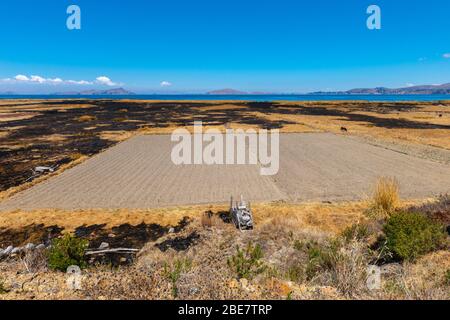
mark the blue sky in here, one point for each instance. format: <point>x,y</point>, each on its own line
<point>198,45</point>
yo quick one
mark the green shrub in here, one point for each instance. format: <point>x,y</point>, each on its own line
<point>447,277</point>
<point>295,273</point>
<point>410,235</point>
<point>319,257</point>
<point>173,273</point>
<point>358,232</point>
<point>289,296</point>
<point>67,251</point>
<point>246,264</point>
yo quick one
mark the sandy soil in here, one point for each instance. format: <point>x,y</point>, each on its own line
<point>138,174</point>
<point>316,167</point>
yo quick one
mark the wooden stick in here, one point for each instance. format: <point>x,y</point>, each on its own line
<point>117,250</point>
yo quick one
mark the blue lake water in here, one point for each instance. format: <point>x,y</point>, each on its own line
<point>379,98</point>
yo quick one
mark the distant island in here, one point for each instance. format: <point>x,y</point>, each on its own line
<point>109,92</point>
<point>421,89</point>
<point>442,89</point>
<point>226,92</point>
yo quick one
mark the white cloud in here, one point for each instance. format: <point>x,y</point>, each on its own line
<point>35,79</point>
<point>410,84</point>
<point>446,55</point>
<point>21,77</point>
<point>38,79</point>
<point>81,82</point>
<point>166,84</point>
<point>56,80</point>
<point>105,81</point>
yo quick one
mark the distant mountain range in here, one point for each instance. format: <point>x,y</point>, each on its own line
<point>109,92</point>
<point>443,89</point>
<point>226,92</point>
<point>422,89</point>
<point>236,92</point>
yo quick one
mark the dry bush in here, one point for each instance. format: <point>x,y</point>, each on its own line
<point>35,261</point>
<point>209,219</point>
<point>438,210</point>
<point>385,197</point>
<point>340,262</point>
<point>423,280</point>
<point>349,269</point>
<point>173,271</point>
<point>3,288</point>
<point>86,118</point>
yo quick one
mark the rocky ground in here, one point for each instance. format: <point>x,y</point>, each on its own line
<point>191,261</point>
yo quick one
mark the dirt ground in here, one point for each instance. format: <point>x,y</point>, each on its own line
<point>409,140</point>
<point>206,246</point>
<point>56,132</point>
<point>139,174</point>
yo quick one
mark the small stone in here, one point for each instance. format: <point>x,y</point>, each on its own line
<point>172,230</point>
<point>8,250</point>
<point>123,259</point>
<point>30,246</point>
<point>233,284</point>
<point>40,246</point>
<point>391,268</point>
<point>16,250</point>
<point>103,246</point>
<point>193,291</point>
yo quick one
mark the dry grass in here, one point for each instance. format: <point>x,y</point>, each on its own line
<point>35,261</point>
<point>349,269</point>
<point>328,218</point>
<point>420,112</point>
<point>209,219</point>
<point>331,218</point>
<point>385,199</point>
<point>423,280</point>
<point>124,284</point>
<point>86,118</point>
<point>342,275</point>
<point>5,117</point>
<point>116,136</point>
<point>53,138</point>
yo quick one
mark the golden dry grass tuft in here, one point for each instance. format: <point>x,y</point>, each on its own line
<point>208,219</point>
<point>385,198</point>
<point>86,118</point>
